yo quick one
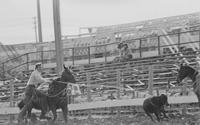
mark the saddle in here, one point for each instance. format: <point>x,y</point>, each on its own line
<point>43,87</point>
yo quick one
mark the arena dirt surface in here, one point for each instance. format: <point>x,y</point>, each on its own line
<point>139,119</point>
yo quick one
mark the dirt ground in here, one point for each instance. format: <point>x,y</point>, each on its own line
<point>139,119</point>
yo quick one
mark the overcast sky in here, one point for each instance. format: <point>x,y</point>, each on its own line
<point>16,21</point>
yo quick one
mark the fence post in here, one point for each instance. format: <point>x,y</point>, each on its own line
<point>118,91</point>
<point>157,92</point>
<point>89,99</point>
<point>140,48</point>
<point>150,82</point>
<point>89,58</point>
<point>3,68</point>
<point>133,94</point>
<point>159,46</point>
<point>179,42</point>
<point>11,116</point>
<point>27,61</point>
<point>118,84</point>
<point>11,93</point>
<point>105,52</point>
<point>73,58</point>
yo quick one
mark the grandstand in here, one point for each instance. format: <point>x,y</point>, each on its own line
<point>116,33</point>
<point>154,45</point>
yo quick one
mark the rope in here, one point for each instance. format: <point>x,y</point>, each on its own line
<point>51,96</point>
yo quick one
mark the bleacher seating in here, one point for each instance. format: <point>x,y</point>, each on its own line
<point>134,73</point>
<point>104,76</point>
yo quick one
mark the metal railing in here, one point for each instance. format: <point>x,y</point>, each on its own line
<point>140,47</point>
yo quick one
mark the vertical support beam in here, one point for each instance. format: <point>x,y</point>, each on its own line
<point>150,82</point>
<point>133,94</point>
<point>157,92</point>
<point>57,32</point>
<point>137,94</point>
<point>73,58</point>
<point>89,99</point>
<point>179,42</point>
<point>118,91</point>
<point>118,84</point>
<point>11,93</point>
<point>105,53</point>
<point>140,47</point>
<point>89,59</point>
<point>159,46</point>
<point>27,61</point>
<point>3,68</point>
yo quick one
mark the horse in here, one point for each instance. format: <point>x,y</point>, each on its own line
<point>187,71</point>
<point>55,99</point>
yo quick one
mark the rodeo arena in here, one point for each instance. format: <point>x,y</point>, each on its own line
<point>140,73</point>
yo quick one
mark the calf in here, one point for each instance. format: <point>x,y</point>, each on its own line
<point>155,105</point>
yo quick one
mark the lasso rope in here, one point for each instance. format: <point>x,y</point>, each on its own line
<point>52,96</point>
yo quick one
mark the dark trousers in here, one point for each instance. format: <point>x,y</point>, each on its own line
<point>30,90</point>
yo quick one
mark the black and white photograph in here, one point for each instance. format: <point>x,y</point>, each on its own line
<point>100,62</point>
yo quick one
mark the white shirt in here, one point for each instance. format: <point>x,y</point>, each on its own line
<point>36,78</point>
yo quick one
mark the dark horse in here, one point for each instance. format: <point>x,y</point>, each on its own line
<point>55,99</point>
<point>187,71</point>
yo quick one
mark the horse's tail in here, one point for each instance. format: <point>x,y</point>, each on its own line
<point>21,104</point>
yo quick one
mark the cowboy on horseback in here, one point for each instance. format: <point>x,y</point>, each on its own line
<point>30,90</point>
<point>34,80</point>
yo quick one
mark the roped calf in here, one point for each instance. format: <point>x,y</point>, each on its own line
<point>155,105</point>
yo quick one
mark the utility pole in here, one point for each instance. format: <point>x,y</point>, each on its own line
<point>35,28</point>
<point>57,33</point>
<point>39,30</point>
<point>39,22</point>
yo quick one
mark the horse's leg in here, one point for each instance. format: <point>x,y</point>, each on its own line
<point>29,112</point>
<point>163,112</point>
<point>149,116</point>
<point>54,113</point>
<point>157,115</point>
<point>44,108</point>
<point>65,113</point>
<point>42,115</point>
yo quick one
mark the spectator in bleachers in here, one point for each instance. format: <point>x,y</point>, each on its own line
<point>124,51</point>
